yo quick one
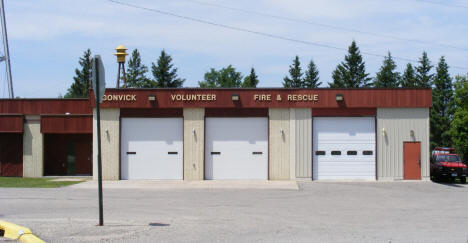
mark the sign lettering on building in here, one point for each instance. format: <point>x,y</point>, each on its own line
<point>289,97</point>
<point>262,97</point>
<point>121,97</point>
<point>193,97</point>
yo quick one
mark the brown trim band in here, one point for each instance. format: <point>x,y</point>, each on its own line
<point>11,123</point>
<point>219,112</point>
<point>171,112</point>
<point>344,112</point>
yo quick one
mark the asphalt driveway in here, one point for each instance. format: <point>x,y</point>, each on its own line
<point>244,212</point>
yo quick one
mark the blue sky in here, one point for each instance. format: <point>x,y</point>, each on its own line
<point>48,36</point>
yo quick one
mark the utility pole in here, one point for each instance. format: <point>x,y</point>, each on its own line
<point>6,58</point>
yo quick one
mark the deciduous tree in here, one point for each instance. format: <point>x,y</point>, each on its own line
<point>226,77</point>
<point>459,126</point>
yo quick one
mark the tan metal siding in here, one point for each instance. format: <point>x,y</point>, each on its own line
<point>33,142</point>
<point>303,143</point>
<point>110,144</point>
<point>194,141</point>
<point>398,122</point>
<point>279,157</point>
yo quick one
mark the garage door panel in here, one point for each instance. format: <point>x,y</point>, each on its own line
<point>352,140</point>
<point>155,146</point>
<point>236,140</point>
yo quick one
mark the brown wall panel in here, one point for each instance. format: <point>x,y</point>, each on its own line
<point>353,98</point>
<point>45,106</point>
<point>11,123</point>
<point>67,124</point>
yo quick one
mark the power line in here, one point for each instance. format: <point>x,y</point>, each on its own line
<point>443,4</point>
<point>274,36</point>
<point>297,20</point>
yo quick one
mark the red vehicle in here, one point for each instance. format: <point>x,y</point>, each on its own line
<point>446,164</point>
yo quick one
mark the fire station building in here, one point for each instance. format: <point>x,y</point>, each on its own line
<point>216,134</point>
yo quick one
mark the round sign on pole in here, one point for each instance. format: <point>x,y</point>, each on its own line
<point>98,67</point>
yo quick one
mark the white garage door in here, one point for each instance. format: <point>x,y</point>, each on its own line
<point>152,148</point>
<point>344,148</point>
<point>236,148</point>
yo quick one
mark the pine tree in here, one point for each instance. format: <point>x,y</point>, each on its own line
<point>387,77</point>
<point>165,75</point>
<point>295,81</point>
<point>136,73</point>
<point>442,106</point>
<point>311,79</point>
<point>459,126</point>
<point>226,77</point>
<point>80,87</point>
<point>250,81</point>
<point>352,72</point>
<point>408,79</point>
<point>423,76</point>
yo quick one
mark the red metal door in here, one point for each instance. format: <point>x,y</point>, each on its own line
<point>412,160</point>
<point>83,157</point>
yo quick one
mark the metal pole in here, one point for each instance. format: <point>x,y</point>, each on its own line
<point>124,76</point>
<point>7,52</point>
<point>118,77</point>
<point>98,116</point>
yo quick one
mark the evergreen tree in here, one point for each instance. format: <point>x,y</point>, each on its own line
<point>387,77</point>
<point>226,77</point>
<point>165,75</point>
<point>442,106</point>
<point>81,84</point>
<point>136,73</point>
<point>408,79</point>
<point>311,79</point>
<point>423,76</point>
<point>459,126</point>
<point>352,72</point>
<point>250,81</point>
<point>295,81</point>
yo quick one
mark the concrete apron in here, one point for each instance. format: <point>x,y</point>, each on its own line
<point>176,184</point>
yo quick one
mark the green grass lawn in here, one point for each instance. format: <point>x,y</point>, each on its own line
<point>34,182</point>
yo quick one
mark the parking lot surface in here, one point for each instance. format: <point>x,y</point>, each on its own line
<point>244,212</point>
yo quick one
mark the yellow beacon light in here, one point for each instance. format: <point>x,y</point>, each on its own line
<point>121,53</point>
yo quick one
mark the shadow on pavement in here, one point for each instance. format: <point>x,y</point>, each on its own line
<point>448,184</point>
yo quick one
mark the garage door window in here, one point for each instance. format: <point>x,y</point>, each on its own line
<point>367,152</point>
<point>335,152</point>
<point>352,152</point>
<point>319,152</point>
